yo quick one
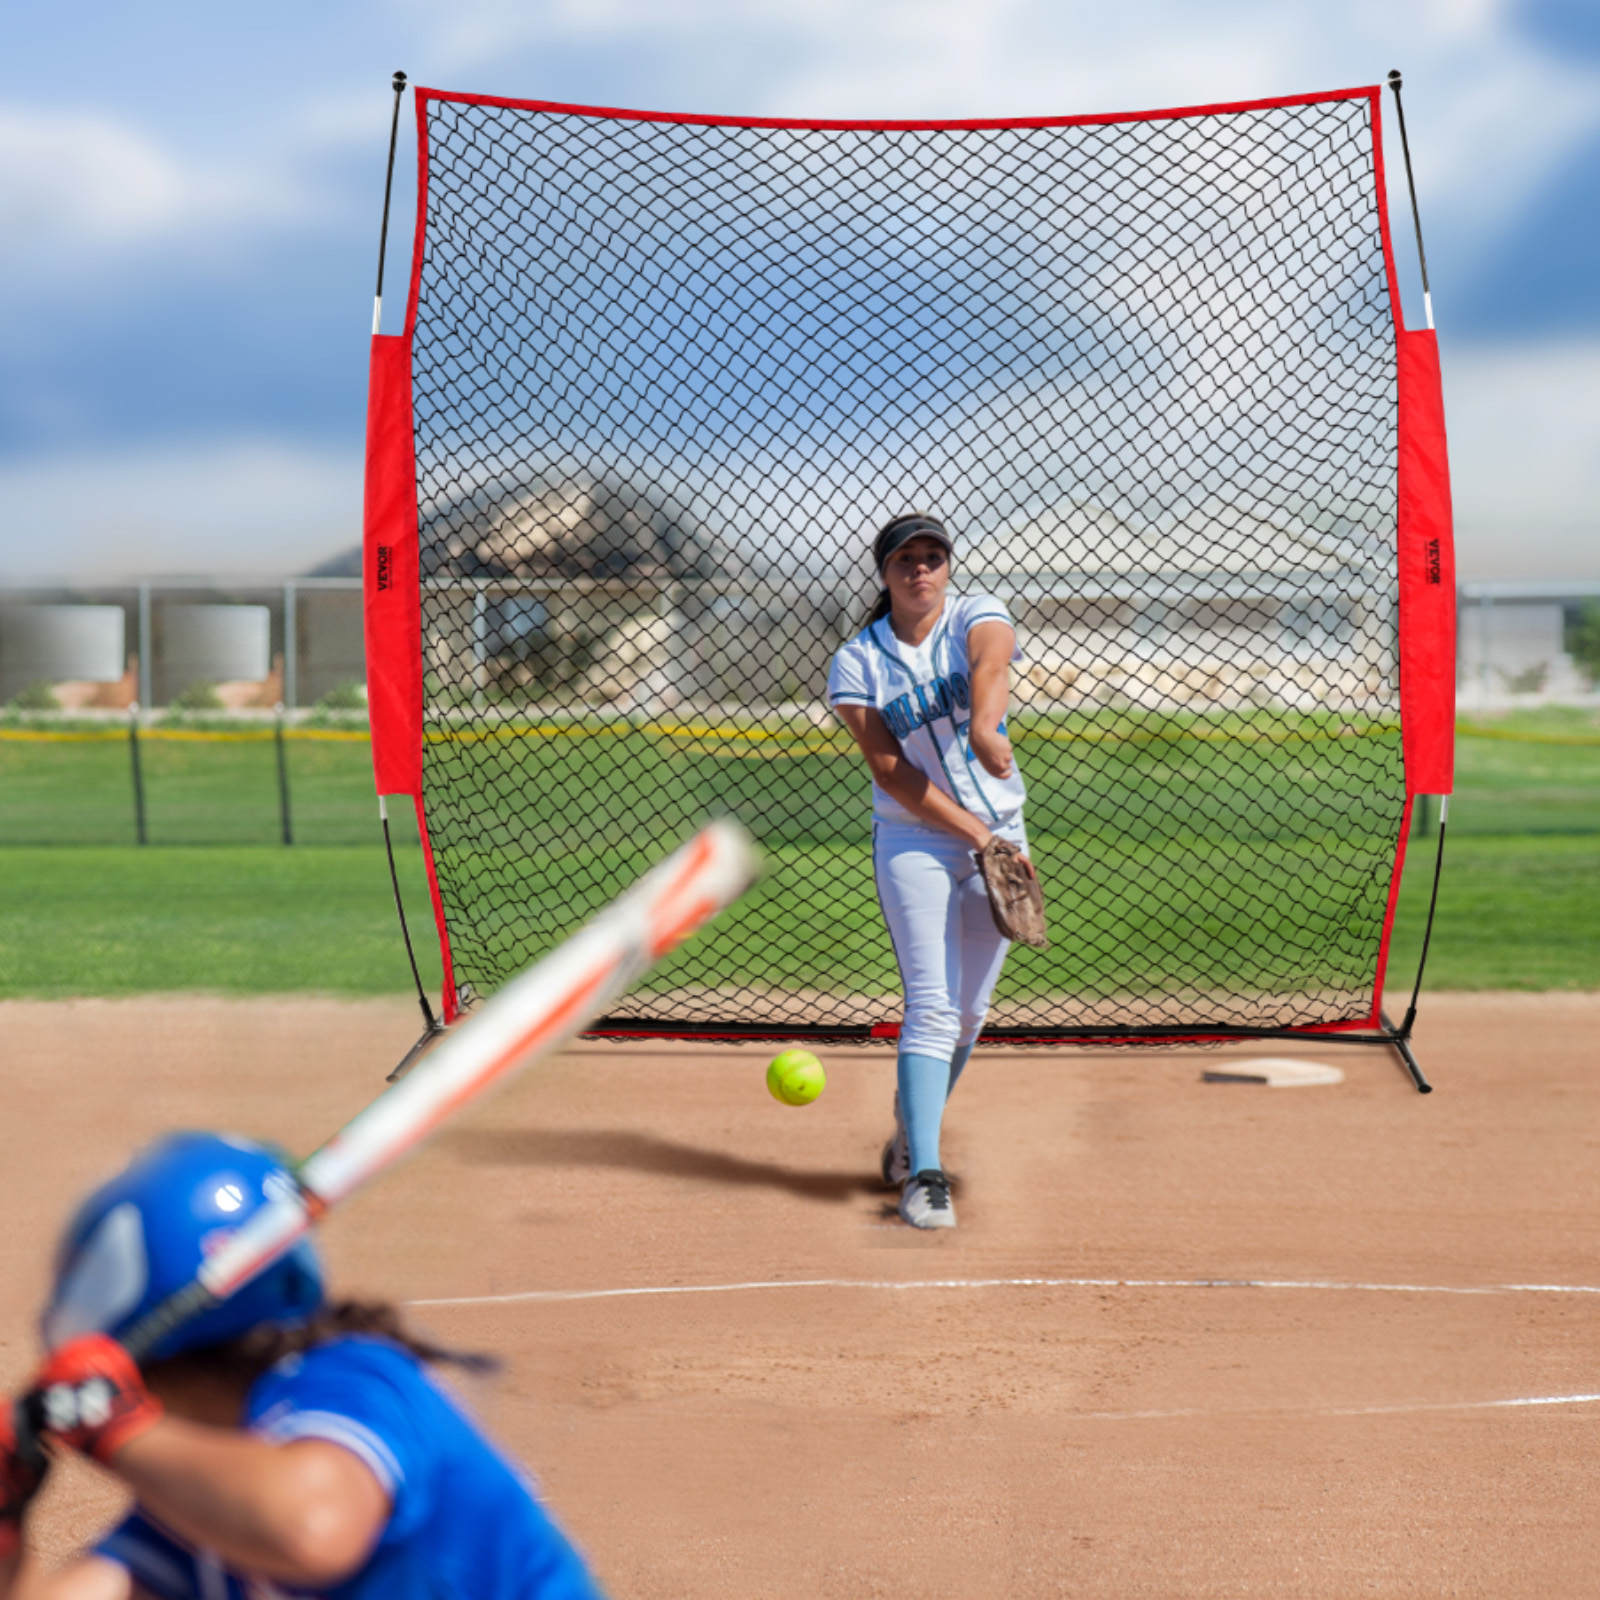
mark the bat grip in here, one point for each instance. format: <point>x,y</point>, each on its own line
<point>160,1320</point>
<point>27,1413</point>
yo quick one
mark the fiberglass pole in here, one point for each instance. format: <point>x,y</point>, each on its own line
<point>1411,184</point>
<point>388,189</point>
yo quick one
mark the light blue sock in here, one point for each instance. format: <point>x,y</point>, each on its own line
<point>957,1062</point>
<point>923,1082</point>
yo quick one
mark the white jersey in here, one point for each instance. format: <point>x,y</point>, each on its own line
<point>923,693</point>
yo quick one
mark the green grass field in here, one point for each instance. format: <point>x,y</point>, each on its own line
<point>1515,913</point>
<point>235,919</point>
<point>1188,856</point>
<point>199,789</point>
<point>216,903</point>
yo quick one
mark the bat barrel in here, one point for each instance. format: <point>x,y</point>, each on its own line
<point>534,1014</point>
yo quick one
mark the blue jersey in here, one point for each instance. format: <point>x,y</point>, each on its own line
<point>463,1523</point>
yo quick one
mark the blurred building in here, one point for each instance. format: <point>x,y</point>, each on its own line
<point>583,594</point>
<point>580,592</point>
<point>1516,640</point>
<point>252,645</point>
<point>1223,607</point>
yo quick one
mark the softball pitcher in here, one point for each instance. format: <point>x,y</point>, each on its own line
<point>924,688</point>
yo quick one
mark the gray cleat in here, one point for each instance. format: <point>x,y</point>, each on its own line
<point>925,1201</point>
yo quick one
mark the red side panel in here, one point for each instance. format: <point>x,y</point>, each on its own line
<point>393,594</point>
<point>1427,574</point>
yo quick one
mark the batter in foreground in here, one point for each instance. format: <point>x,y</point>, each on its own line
<point>278,1447</point>
<point>924,689</point>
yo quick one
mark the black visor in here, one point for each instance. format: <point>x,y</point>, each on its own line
<point>904,529</point>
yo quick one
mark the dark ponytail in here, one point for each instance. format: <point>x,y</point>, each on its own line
<point>880,607</point>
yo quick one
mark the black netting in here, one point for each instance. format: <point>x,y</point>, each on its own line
<point>670,377</point>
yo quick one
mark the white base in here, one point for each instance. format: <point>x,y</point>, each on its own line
<point>1277,1072</point>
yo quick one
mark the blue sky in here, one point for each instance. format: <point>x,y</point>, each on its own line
<point>189,203</point>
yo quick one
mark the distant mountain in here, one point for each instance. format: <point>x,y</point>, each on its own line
<point>559,525</point>
<point>562,524</point>
<point>345,565</point>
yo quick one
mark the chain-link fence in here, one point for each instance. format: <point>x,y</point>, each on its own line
<point>66,782</point>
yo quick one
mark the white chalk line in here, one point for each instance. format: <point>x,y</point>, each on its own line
<point>906,1285</point>
<point>902,1285</point>
<point>1337,1411</point>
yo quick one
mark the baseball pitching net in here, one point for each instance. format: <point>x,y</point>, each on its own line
<point>663,376</point>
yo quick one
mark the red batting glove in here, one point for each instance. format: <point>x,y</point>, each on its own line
<point>89,1396</point>
<point>21,1473</point>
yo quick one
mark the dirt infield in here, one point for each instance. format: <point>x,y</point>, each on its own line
<point>1190,1339</point>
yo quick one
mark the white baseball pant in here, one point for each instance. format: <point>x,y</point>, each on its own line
<point>945,941</point>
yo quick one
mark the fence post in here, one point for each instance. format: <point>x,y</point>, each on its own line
<point>1485,601</point>
<point>291,647</point>
<point>284,819</point>
<point>138,774</point>
<point>480,644</point>
<point>146,669</point>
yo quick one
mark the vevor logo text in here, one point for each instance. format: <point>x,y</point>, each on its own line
<point>1433,562</point>
<point>383,566</point>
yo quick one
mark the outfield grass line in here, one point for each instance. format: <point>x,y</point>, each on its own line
<point>904,1285</point>
<point>1200,736</point>
<point>822,738</point>
<point>180,735</point>
<point>79,919</point>
<point>1518,736</point>
<point>837,742</point>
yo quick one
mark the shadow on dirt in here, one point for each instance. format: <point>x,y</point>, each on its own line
<point>645,1152</point>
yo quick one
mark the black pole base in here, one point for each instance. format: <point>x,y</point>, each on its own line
<point>1400,1038</point>
<point>436,1031</point>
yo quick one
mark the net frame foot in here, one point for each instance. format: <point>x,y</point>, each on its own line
<point>435,1032</point>
<point>1400,1038</point>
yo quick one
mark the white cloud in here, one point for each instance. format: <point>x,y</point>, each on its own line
<point>1525,458</point>
<point>82,176</point>
<point>357,119</point>
<point>1492,113</point>
<point>1504,119</point>
<point>241,508</point>
<point>78,183</point>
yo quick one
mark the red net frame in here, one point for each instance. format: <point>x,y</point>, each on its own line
<point>403,560</point>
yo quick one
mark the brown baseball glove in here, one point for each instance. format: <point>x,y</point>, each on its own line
<point>1014,897</point>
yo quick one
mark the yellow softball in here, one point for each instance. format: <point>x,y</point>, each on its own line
<point>796,1077</point>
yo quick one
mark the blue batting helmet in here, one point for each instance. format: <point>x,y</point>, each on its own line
<point>144,1234</point>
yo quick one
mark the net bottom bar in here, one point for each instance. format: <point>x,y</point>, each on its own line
<point>734,1033</point>
<point>866,1033</point>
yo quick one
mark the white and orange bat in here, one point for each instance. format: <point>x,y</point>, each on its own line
<point>534,1014</point>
